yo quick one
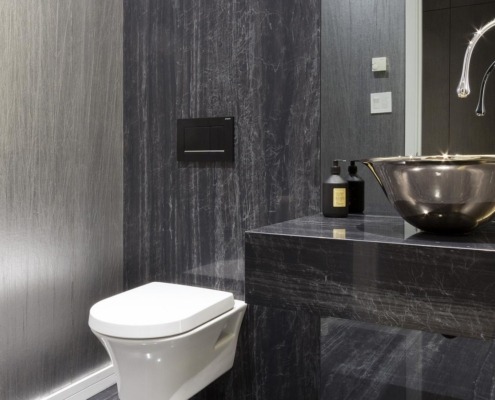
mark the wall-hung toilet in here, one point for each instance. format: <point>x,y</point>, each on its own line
<point>168,341</point>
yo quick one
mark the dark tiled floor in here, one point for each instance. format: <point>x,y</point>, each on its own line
<point>108,394</point>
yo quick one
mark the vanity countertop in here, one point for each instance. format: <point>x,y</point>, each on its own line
<point>380,229</point>
<point>376,269</point>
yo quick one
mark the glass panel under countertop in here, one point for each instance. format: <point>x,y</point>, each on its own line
<point>373,362</point>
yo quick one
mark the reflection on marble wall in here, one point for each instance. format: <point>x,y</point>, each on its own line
<point>372,362</point>
<point>184,222</point>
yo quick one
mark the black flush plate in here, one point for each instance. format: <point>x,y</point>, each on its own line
<point>205,139</point>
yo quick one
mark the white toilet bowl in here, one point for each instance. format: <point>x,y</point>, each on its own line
<point>167,341</point>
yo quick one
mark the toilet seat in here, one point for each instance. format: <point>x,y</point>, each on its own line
<point>158,310</point>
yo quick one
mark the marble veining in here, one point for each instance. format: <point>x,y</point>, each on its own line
<point>364,268</point>
<point>259,62</point>
<point>204,59</point>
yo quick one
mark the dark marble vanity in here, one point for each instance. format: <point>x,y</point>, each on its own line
<point>375,269</point>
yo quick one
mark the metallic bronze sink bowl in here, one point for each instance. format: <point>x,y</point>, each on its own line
<point>442,194</point>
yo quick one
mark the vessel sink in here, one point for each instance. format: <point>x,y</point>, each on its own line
<point>451,194</point>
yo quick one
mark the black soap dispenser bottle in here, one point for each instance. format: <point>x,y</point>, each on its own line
<point>335,194</point>
<point>356,190</point>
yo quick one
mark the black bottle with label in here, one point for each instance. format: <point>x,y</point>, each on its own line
<point>356,190</point>
<point>334,192</point>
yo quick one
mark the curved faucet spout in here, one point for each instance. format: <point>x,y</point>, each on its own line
<point>480,108</point>
<point>463,89</point>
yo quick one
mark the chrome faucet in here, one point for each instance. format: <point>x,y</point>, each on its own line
<point>463,89</point>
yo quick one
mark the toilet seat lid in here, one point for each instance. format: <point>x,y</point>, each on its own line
<point>158,310</point>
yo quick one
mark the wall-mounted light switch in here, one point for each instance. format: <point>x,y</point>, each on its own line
<point>381,102</point>
<point>379,64</point>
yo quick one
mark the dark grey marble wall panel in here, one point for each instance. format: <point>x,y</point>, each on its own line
<point>357,268</point>
<point>60,187</point>
<point>354,31</point>
<point>290,354</point>
<point>278,358</point>
<point>257,61</point>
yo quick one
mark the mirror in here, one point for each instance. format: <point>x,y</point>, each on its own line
<point>352,34</point>
<point>439,31</point>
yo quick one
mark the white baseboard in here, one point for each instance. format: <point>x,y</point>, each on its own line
<point>86,387</point>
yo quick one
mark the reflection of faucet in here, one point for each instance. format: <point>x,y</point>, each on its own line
<point>463,88</point>
<point>480,108</point>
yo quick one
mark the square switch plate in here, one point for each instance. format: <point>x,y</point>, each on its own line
<point>205,139</point>
<point>379,64</point>
<point>381,103</point>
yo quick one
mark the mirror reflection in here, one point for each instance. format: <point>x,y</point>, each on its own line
<point>451,124</point>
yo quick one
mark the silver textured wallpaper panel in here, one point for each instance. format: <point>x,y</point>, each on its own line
<point>60,186</point>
